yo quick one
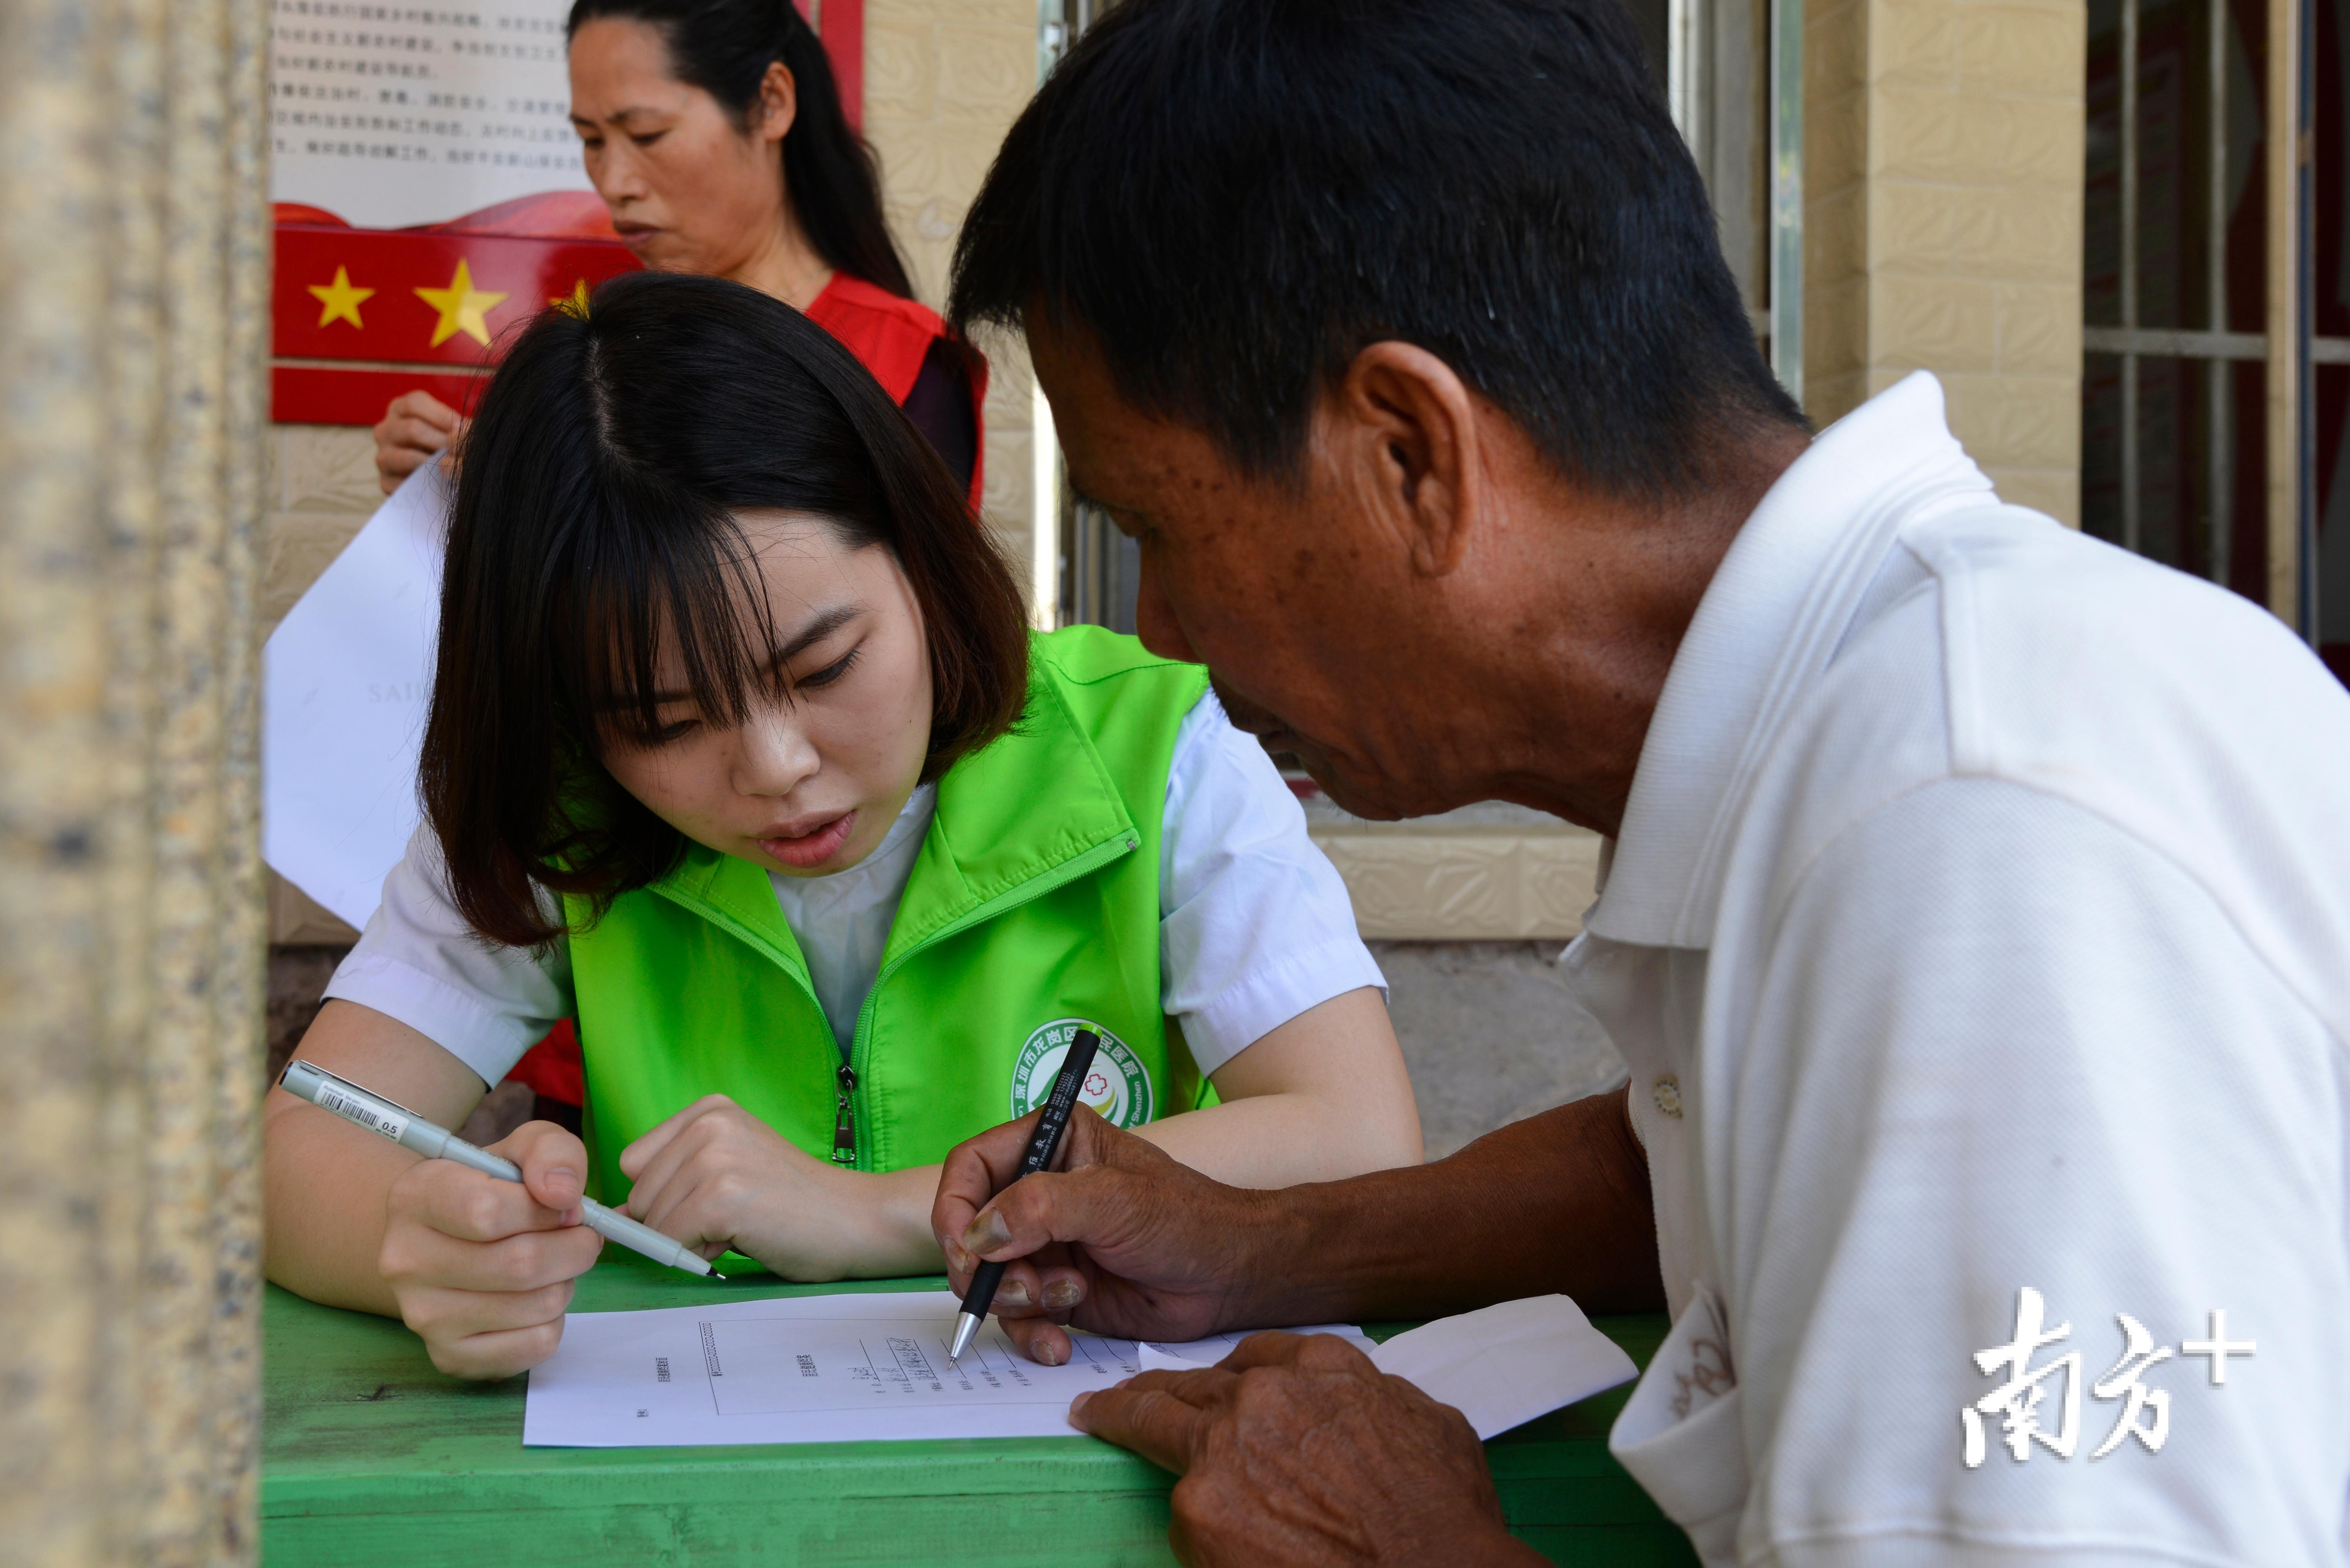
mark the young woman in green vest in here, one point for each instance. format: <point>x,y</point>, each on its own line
<point>741,753</point>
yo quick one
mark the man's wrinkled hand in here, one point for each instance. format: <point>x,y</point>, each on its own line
<point>1298,1450</point>
<point>1119,1239</point>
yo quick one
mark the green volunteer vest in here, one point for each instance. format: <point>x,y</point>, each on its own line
<point>1032,907</point>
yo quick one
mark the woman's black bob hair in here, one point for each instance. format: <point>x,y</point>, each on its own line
<point>595,522</point>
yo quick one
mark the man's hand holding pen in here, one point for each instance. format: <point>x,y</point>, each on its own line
<point>1295,1448</point>
<point>1163,1243</point>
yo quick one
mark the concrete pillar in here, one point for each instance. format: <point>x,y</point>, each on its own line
<point>1942,196</point>
<point>133,307</point>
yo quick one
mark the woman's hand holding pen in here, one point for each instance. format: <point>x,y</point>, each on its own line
<point>717,1178</point>
<point>482,1269</point>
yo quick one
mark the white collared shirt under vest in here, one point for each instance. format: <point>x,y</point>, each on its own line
<point>1979,942</point>
<point>1255,925</point>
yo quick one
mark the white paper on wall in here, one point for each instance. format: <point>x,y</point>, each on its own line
<point>389,116</point>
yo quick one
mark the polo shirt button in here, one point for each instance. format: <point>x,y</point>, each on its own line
<point>1667,1095</point>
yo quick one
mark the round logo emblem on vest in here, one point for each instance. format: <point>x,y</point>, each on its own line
<point>1118,1089</point>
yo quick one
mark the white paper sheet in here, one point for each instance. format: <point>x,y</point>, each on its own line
<point>1502,1365</point>
<point>864,1367</point>
<point>1156,1357</point>
<point>347,678</point>
<point>811,1369</point>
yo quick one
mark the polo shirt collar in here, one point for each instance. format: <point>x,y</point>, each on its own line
<point>1765,627</point>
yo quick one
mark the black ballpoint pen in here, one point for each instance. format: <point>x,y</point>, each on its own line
<point>1042,1146</point>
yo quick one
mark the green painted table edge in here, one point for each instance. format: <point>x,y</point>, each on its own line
<point>371,1457</point>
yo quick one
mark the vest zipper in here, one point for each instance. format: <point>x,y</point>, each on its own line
<point>844,1126</point>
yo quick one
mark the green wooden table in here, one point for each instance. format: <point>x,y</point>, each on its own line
<point>369,1457</point>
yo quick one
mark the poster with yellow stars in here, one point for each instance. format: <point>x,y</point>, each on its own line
<point>430,195</point>
<point>363,316</point>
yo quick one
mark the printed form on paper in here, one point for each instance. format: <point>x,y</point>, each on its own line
<point>812,1369</point>
<point>865,1367</point>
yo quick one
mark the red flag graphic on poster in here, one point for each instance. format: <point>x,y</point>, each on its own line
<point>430,194</point>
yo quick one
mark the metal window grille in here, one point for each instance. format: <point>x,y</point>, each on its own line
<point>1100,570</point>
<point>2199,252</point>
<point>1734,74</point>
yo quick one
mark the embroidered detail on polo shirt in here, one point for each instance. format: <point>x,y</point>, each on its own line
<point>1667,1095</point>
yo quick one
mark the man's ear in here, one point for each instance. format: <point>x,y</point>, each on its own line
<point>778,104</point>
<point>1405,425</point>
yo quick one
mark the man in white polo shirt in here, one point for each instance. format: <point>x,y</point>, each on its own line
<point>1976,926</point>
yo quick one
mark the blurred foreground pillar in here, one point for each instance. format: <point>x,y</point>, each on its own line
<point>133,295</point>
<point>1943,208</point>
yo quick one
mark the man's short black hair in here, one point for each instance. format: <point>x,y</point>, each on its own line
<point>1235,197</point>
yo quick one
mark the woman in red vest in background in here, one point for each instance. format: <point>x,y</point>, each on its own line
<point>714,131</point>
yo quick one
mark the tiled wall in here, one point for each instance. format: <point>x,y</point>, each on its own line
<point>1483,873</point>
<point>321,488</point>
<point>943,81</point>
<point>1943,221</point>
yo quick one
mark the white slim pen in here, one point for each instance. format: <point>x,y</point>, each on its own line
<point>386,1118</point>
